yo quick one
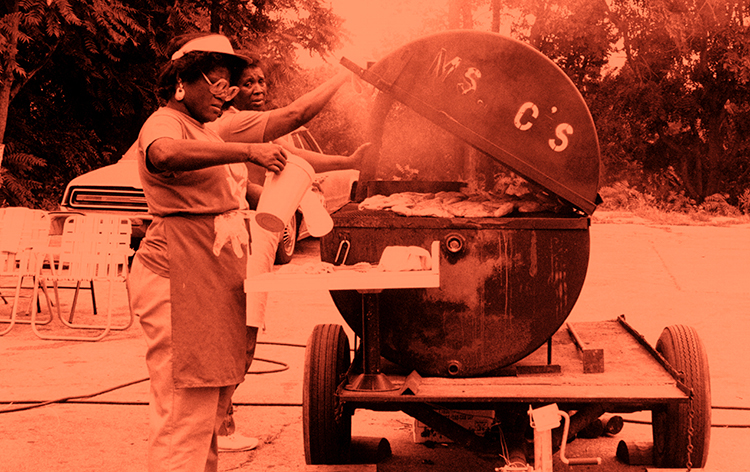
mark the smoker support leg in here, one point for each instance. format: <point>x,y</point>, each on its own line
<point>372,380</point>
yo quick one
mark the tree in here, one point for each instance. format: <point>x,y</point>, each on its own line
<point>34,34</point>
<point>680,103</point>
<point>460,14</point>
<point>575,34</point>
<point>675,114</point>
<point>78,75</point>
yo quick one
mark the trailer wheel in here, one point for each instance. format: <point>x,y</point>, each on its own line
<point>683,349</point>
<point>327,426</point>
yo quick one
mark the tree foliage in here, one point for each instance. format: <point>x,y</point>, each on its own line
<point>64,90</point>
<point>673,115</point>
<point>81,82</point>
<point>680,103</point>
<point>666,80</point>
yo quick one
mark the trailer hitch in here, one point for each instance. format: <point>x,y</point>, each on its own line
<point>544,420</point>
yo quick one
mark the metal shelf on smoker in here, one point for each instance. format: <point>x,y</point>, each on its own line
<point>349,279</point>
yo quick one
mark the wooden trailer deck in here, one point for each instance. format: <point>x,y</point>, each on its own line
<point>632,374</point>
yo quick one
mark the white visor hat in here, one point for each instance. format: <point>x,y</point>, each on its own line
<point>211,43</point>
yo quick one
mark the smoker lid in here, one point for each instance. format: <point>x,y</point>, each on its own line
<point>505,99</point>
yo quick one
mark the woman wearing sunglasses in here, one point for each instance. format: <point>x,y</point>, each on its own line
<point>186,282</point>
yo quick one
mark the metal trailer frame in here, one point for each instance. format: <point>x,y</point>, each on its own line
<point>586,368</point>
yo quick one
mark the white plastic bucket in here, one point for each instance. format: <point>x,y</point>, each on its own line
<point>282,194</point>
<point>317,219</point>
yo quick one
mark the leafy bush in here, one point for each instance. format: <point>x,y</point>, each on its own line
<point>717,205</point>
<point>744,200</point>
<point>621,196</point>
<point>673,208</point>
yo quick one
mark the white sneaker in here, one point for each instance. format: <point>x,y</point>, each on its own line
<point>236,443</point>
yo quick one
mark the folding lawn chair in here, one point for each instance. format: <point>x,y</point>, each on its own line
<point>93,248</point>
<point>23,231</point>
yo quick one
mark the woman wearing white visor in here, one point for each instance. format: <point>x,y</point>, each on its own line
<point>186,283</point>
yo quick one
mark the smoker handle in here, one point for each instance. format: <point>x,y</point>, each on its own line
<point>578,460</point>
<point>348,244</point>
<point>583,461</point>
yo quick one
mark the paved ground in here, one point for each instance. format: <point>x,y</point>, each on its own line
<point>654,275</point>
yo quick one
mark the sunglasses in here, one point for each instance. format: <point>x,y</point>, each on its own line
<point>221,89</point>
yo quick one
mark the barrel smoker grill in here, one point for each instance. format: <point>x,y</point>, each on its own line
<point>461,110</point>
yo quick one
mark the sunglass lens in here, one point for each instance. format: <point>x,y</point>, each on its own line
<point>219,87</point>
<point>231,93</point>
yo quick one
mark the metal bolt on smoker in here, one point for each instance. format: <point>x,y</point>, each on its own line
<point>478,116</point>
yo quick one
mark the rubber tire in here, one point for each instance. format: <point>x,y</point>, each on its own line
<point>288,241</point>
<point>684,351</point>
<point>327,426</point>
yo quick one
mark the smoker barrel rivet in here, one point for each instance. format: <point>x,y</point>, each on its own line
<point>454,368</point>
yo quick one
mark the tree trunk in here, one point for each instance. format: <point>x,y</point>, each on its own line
<point>460,15</point>
<point>215,17</point>
<point>540,13</point>
<point>454,14</point>
<point>466,15</point>
<point>495,28</point>
<point>715,154</point>
<point>7,79</point>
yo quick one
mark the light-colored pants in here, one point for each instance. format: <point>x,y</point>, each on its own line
<point>263,254</point>
<point>260,261</point>
<point>184,422</point>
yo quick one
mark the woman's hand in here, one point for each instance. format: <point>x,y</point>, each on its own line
<point>355,160</point>
<point>271,156</point>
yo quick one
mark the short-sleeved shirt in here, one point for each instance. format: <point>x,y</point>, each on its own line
<point>240,126</point>
<point>247,126</point>
<point>212,190</point>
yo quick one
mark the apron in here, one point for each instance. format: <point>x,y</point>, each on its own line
<point>208,305</point>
